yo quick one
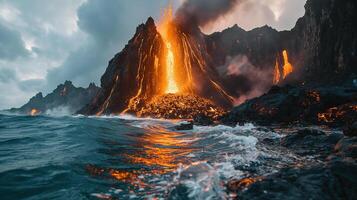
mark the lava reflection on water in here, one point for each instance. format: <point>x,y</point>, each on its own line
<point>161,148</point>
<point>158,151</point>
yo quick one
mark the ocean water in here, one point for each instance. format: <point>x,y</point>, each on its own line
<point>77,157</point>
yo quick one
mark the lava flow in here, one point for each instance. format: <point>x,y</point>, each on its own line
<point>34,112</point>
<point>157,63</point>
<point>164,28</point>
<point>287,68</point>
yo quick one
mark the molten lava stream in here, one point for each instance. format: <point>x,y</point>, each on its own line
<point>170,63</point>
<point>287,68</point>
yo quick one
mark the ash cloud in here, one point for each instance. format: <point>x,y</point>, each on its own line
<point>195,13</point>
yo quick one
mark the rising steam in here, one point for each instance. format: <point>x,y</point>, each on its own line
<point>251,80</point>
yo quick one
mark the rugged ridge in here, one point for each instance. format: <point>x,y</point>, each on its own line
<point>130,70</point>
<point>323,47</point>
<point>323,41</point>
<point>65,98</point>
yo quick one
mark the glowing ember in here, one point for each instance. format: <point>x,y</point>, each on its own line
<point>287,68</point>
<point>34,112</point>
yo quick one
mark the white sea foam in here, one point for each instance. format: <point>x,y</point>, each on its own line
<point>201,181</point>
<point>59,111</point>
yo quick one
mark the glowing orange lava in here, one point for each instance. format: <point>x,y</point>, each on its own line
<point>170,62</point>
<point>276,73</point>
<point>34,112</point>
<point>164,29</point>
<point>287,68</point>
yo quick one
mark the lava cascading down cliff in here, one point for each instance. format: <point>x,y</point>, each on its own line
<point>178,58</point>
<point>158,61</point>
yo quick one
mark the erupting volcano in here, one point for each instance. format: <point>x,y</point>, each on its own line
<point>157,62</point>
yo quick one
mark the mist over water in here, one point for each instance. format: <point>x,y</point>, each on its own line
<point>75,157</point>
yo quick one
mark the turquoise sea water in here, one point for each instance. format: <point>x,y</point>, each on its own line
<point>76,157</point>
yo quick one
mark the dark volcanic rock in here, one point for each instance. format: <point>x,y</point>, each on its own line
<point>65,97</point>
<point>131,69</point>
<point>322,47</point>
<point>346,148</point>
<point>293,104</point>
<point>311,142</point>
<point>345,114</point>
<point>351,130</point>
<point>334,179</point>
<point>326,40</point>
<point>183,126</point>
<point>203,120</point>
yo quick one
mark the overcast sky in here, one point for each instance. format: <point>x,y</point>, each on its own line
<point>45,42</point>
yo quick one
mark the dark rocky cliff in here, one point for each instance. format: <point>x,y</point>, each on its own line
<point>323,42</point>
<point>131,73</point>
<point>65,97</point>
<point>321,47</point>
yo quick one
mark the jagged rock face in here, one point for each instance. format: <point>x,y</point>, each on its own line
<point>326,39</point>
<point>133,74</point>
<point>65,96</point>
<point>260,45</point>
<point>254,52</point>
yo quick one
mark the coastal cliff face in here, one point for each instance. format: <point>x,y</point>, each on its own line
<point>242,63</point>
<point>322,47</point>
<point>325,41</point>
<point>65,98</point>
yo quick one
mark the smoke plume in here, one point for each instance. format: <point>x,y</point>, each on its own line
<point>196,13</point>
<point>250,81</point>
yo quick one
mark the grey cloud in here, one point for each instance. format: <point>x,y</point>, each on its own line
<point>7,75</point>
<point>11,44</point>
<point>32,85</point>
<point>109,25</point>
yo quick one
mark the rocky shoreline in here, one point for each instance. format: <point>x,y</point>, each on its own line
<point>333,177</point>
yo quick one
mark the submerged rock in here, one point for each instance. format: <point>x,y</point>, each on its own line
<point>311,142</point>
<point>351,130</point>
<point>183,126</point>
